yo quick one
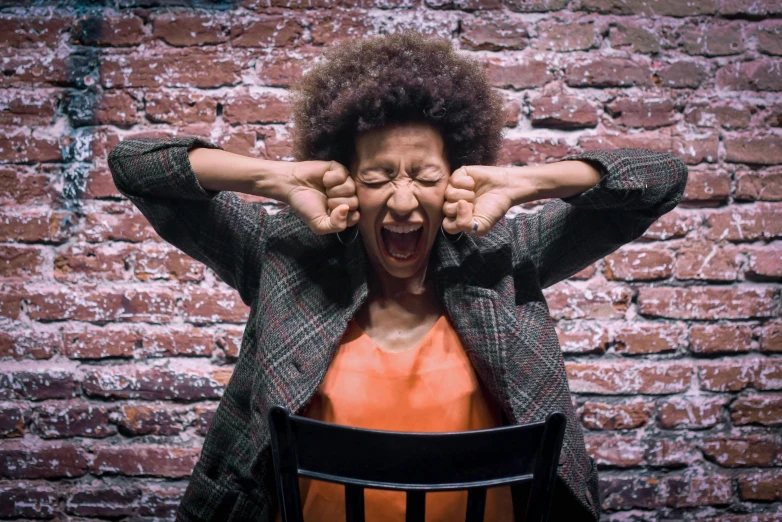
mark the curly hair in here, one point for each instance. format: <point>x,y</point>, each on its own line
<point>401,78</point>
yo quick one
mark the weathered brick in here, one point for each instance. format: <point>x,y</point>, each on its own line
<point>690,491</point>
<point>151,384</point>
<point>612,377</point>
<point>759,150</point>
<point>620,416</point>
<point>708,186</point>
<point>759,185</point>
<point>644,112</point>
<point>31,31</point>
<point>615,451</point>
<point>675,224</point>
<point>84,262</point>
<point>144,460</point>
<point>749,451</point>
<point>204,416</point>
<point>606,301</point>
<point>185,27</point>
<point>512,111</point>
<point>159,261</point>
<point>20,460</point>
<point>535,6</point>
<point>757,75</point>
<point>155,306</point>
<point>10,301</point>
<point>28,499</point>
<point>765,262</point>
<point>200,68</point>
<point>630,492</point>
<point>566,36</point>
<point>330,27</point>
<point>110,30</point>
<point>563,112</point>
<point>706,261</point>
<point>265,31</point>
<point>278,70</point>
<point>158,500</point>
<point>110,501</point>
<point>671,453</point>
<point>635,36</point>
<point>639,263</point>
<point>710,339</point>
<point>493,34</point>
<point>680,8</point>
<point>522,75</point>
<point>99,183</point>
<point>29,343</point>
<point>728,114</point>
<point>21,262</point>
<point>24,107</point>
<point>770,37</point>
<point>769,374</point>
<point>23,147</point>
<point>764,486</point>
<point>729,375</point>
<point>712,39</point>
<point>96,343</point>
<point>681,74</point>
<point>525,151</point>
<point>211,306</point>
<point>179,106</point>
<point>47,383</point>
<point>706,302</point>
<point>771,337</point>
<point>20,185</point>
<point>765,410</point>
<point>690,412</point>
<point>36,68</point>
<point>692,149</point>
<point>140,419</point>
<point>176,341</point>
<point>35,225</point>
<point>745,222</point>
<point>601,71</point>
<point>742,8</point>
<point>72,419</point>
<point>116,221</point>
<point>12,421</point>
<point>582,337</point>
<point>255,107</point>
<point>240,142</point>
<point>640,338</point>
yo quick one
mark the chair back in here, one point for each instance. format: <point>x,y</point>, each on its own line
<point>525,457</point>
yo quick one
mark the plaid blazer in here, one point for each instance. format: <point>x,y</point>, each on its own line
<point>303,289</point>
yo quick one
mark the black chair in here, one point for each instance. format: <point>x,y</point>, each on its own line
<point>525,457</point>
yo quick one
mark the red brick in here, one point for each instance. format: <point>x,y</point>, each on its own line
<point>643,112</point>
<point>109,501</point>
<point>96,343</point>
<point>121,382</point>
<point>707,186</point>
<point>265,31</point>
<point>749,451</point>
<point>23,107</point>
<point>278,70</point>
<point>115,108</point>
<point>253,107</point>
<point>759,185</point>
<point>177,341</point>
<point>43,460</point>
<point>72,419</point>
<point>28,499</point>
<point>329,27</point>
<point>639,263</point>
<point>213,306</point>
<point>679,8</point>
<point>704,302</point>
<point>35,225</point>
<point>602,301</point>
<point>83,262</point>
<point>493,34</point>
<point>23,186</point>
<point>184,27</point>
<point>765,410</point>
<point>11,421</point>
<point>585,273</point>
<point>771,338</point>
<point>765,262</point>
<point>681,74</point>
<point>582,337</point>
<point>770,37</point>
<point>706,261</point>
<point>745,222</point>
<point>764,486</point>
<point>566,36</point>
<point>720,338</point>
<point>757,8</point>
<point>729,114</point>
<point>144,460</point>
<point>728,375</point>
<point>690,491</point>
<point>523,75</point>
<point>563,112</point>
<point>176,68</point>
<point>668,453</point>
<point>615,451</point>
<point>22,147</point>
<point>34,68</point>
<point>636,37</point>
<point>117,221</point>
<point>769,375</point>
<point>512,111</point>
<point>622,416</point>
<point>10,301</point>
<point>162,262</point>
<point>712,39</point>
<point>140,419</point>
<point>204,417</point>
<point>48,383</point>
<point>525,151</point>
<point>238,142</point>
<point>639,338</point>
<point>155,306</point>
<point>180,107</point>
<point>28,343</point>
<point>757,75</point>
<point>629,492</point>
<point>229,339</point>
<point>692,150</point>
<point>33,31</point>
<point>21,262</point>
<point>535,6</point>
<point>99,183</point>
<point>110,30</point>
<point>158,500</point>
<point>762,150</point>
<point>675,224</point>
<point>600,71</point>
<point>690,412</point>
<point>277,147</point>
<point>614,377</point>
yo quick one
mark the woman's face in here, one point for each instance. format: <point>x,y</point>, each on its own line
<point>401,173</point>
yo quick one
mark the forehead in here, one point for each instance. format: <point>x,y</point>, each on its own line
<point>412,140</point>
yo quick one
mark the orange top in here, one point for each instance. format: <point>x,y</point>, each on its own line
<point>430,388</point>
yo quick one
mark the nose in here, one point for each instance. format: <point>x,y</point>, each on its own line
<point>403,200</point>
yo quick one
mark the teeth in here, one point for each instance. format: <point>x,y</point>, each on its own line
<point>402,229</point>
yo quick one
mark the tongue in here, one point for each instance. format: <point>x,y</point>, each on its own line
<point>401,244</point>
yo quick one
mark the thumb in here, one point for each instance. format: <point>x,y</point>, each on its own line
<point>338,219</point>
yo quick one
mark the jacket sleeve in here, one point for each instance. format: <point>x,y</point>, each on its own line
<point>637,186</point>
<point>217,228</point>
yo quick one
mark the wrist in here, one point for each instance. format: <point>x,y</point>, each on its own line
<point>553,180</point>
<point>272,179</point>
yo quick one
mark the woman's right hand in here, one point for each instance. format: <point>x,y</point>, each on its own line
<point>323,195</point>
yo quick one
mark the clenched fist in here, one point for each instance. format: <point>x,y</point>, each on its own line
<point>323,194</point>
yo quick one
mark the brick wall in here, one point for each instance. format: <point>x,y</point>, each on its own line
<point>115,348</point>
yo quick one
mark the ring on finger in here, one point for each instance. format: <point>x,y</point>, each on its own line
<point>474,227</point>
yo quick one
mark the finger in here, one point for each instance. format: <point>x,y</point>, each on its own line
<point>455,194</point>
<point>464,216</point>
<point>338,219</point>
<point>352,203</point>
<point>450,226</point>
<point>449,209</point>
<point>335,176</point>
<point>353,217</point>
<point>343,190</point>
<point>462,180</point>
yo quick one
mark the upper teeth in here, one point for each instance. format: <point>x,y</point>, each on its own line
<point>402,229</point>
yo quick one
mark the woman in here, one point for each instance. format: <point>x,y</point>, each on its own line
<point>391,293</point>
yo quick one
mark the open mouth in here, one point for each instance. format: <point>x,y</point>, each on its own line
<point>402,242</point>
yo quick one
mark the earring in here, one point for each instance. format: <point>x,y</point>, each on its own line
<point>446,236</point>
<point>339,238</point>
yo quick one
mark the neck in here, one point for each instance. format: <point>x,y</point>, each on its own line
<point>412,293</point>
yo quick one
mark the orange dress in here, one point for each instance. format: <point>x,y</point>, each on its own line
<point>430,388</point>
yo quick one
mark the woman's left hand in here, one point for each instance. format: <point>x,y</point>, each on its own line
<point>478,194</point>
